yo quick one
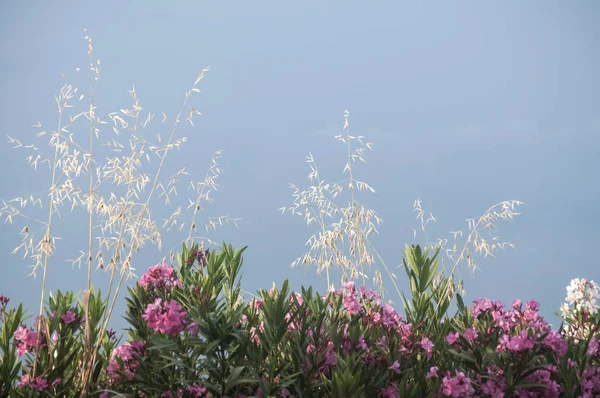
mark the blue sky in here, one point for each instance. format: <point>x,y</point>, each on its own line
<point>467,104</point>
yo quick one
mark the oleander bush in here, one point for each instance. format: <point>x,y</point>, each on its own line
<point>192,334</point>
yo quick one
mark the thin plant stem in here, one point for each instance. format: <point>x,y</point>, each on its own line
<point>127,262</point>
<point>48,238</point>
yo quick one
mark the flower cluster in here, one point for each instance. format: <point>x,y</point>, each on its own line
<point>166,318</point>
<point>39,384</point>
<point>26,340</point>
<point>128,353</point>
<point>458,385</point>
<point>348,342</point>
<point>579,307</point>
<point>195,390</point>
<point>160,277</point>
<point>582,294</point>
<point>591,382</point>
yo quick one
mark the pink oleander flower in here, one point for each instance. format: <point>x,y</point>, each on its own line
<point>395,367</point>
<point>521,342</point>
<point>480,306</point>
<point>25,382</point>
<point>551,388</point>
<point>68,317</point>
<point>349,286</point>
<point>370,295</point>
<point>375,318</point>
<point>390,317</point>
<point>516,304</point>
<point>591,382</point>
<point>458,386</point>
<point>26,340</point>
<point>471,334</point>
<point>192,328</point>
<point>351,304</point>
<point>433,372</point>
<point>427,345</point>
<point>390,392</point>
<point>166,318</point>
<point>382,343</point>
<point>493,388</point>
<point>452,337</point>
<point>160,277</point>
<point>593,347</point>
<point>556,343</point>
<point>257,304</point>
<point>362,343</point>
<point>254,337</point>
<point>39,384</point>
<point>128,353</point>
<point>196,390</point>
<point>299,298</point>
<point>330,355</point>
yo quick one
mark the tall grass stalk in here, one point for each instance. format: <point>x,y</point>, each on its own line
<point>110,182</point>
<point>357,224</point>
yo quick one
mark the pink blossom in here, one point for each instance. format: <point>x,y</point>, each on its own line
<point>166,318</point>
<point>390,392</point>
<point>349,286</point>
<point>24,381</point>
<point>257,304</point>
<point>427,345</point>
<point>452,337</point>
<point>330,355</point>
<point>390,317</point>
<point>68,317</point>
<point>362,344</point>
<point>432,372</point>
<point>39,384</point>
<point>26,340</point>
<point>494,388</point>
<point>470,334</point>
<point>395,367</point>
<point>551,388</point>
<point>299,298</point>
<point>128,353</point>
<point>521,342</point>
<point>593,347</point>
<point>382,343</point>
<point>196,390</point>
<point>21,333</point>
<point>193,328</point>
<point>375,317</point>
<point>556,343</point>
<point>160,277</point>
<point>351,304</point>
<point>458,386</point>
<point>516,304</point>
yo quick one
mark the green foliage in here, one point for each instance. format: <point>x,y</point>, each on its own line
<point>192,333</point>
<point>9,362</point>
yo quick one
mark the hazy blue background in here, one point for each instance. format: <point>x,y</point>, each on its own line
<point>468,104</point>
